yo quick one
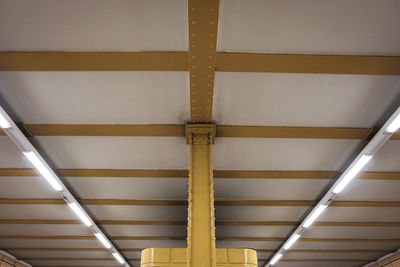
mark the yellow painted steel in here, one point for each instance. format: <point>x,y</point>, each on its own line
<point>176,257</point>
<point>201,220</point>
<point>201,250</point>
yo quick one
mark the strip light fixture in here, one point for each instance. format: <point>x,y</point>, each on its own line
<point>291,241</point>
<point>355,167</point>
<point>45,171</point>
<point>276,258</point>
<point>394,125</point>
<point>30,152</point>
<point>4,123</point>
<point>314,215</point>
<point>81,214</point>
<point>103,240</point>
<point>118,257</point>
<point>352,172</point>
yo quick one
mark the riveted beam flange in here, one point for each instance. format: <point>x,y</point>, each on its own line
<point>201,250</point>
<point>203,27</point>
<point>200,134</point>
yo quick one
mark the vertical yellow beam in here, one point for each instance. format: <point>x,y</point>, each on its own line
<point>201,221</point>
<point>203,29</point>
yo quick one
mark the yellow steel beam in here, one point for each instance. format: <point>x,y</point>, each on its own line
<point>325,260</point>
<point>223,238</point>
<point>220,223</point>
<point>218,202</point>
<point>179,131</point>
<point>201,251</point>
<point>93,61</point>
<point>305,63</point>
<point>219,174</point>
<point>179,61</point>
<point>140,249</point>
<point>203,29</point>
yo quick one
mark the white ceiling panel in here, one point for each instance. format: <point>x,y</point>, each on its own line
<point>125,97</point>
<point>93,25</point>
<point>10,155</point>
<point>60,254</point>
<point>49,243</point>
<point>44,229</point>
<point>387,159</point>
<point>255,231</point>
<point>282,154</point>
<point>370,255</point>
<point>353,232</point>
<point>371,190</point>
<point>130,188</point>
<point>260,213</point>
<point>247,244</point>
<point>323,100</point>
<point>116,152</point>
<point>310,26</point>
<point>361,214</point>
<point>114,212</point>
<point>145,230</point>
<point>100,262</point>
<point>51,212</point>
<point>151,243</point>
<point>346,245</point>
<point>25,187</point>
<point>272,189</point>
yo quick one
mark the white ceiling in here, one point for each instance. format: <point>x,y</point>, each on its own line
<point>310,26</point>
<point>57,25</point>
<point>160,97</point>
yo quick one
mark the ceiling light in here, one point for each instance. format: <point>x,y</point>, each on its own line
<point>80,213</point>
<point>394,125</point>
<point>3,122</point>
<point>314,216</point>
<point>118,257</point>
<point>276,258</point>
<point>44,171</point>
<point>291,241</point>
<point>363,160</point>
<point>103,240</point>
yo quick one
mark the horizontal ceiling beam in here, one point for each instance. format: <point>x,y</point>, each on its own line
<point>70,259</point>
<point>320,260</point>
<point>177,202</point>
<point>172,130</point>
<point>220,223</point>
<point>218,174</point>
<point>179,61</point>
<point>138,259</point>
<point>93,61</point>
<point>317,251</point>
<point>306,63</point>
<point>69,249</point>
<point>232,238</point>
<point>323,251</point>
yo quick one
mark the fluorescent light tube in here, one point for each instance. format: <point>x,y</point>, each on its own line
<point>103,240</point>
<point>44,171</point>
<point>291,241</point>
<point>394,125</point>
<point>352,173</point>
<point>4,123</point>
<point>276,258</point>
<point>80,214</point>
<point>118,257</point>
<point>314,216</point>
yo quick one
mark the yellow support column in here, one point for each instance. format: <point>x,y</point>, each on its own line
<point>201,220</point>
<point>200,251</point>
